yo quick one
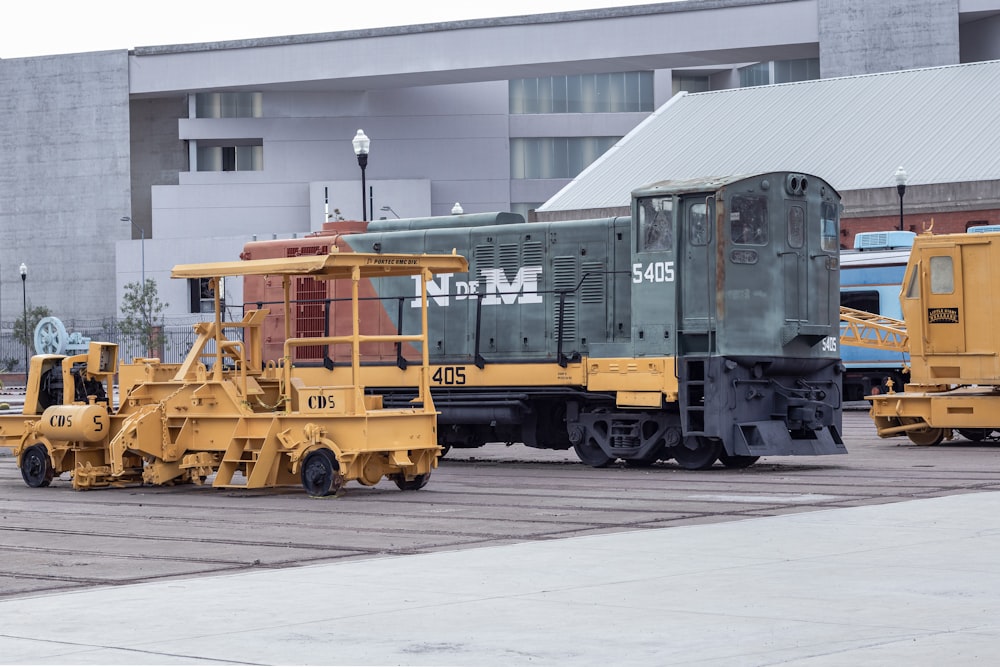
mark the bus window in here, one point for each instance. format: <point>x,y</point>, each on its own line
<point>866,300</point>
<point>748,219</point>
<point>655,219</point>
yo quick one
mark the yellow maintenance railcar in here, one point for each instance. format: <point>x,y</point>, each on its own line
<point>225,412</point>
<point>950,331</point>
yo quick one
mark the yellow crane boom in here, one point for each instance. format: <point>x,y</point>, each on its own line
<point>863,329</point>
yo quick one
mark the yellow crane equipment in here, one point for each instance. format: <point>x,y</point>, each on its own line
<point>950,330</point>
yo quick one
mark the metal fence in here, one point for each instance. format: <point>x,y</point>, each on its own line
<point>177,336</point>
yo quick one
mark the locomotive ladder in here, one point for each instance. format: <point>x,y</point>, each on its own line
<point>692,394</point>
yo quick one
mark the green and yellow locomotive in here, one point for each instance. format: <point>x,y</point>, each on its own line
<point>703,327</point>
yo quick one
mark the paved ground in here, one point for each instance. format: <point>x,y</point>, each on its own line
<point>883,556</point>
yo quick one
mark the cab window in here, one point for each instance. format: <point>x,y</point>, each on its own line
<point>748,219</point>
<point>655,219</point>
<point>697,222</point>
<point>829,227</point>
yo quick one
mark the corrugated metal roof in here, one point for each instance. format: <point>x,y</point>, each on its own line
<point>942,124</point>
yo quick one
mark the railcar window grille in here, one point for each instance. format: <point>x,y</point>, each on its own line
<point>531,251</point>
<point>310,313</point>
<point>564,277</point>
<point>510,258</point>
<point>796,226</point>
<point>485,256</point>
<point>592,289</point>
<point>748,219</point>
<point>655,224</point>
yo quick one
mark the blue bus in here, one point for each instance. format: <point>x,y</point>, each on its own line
<point>871,276</point>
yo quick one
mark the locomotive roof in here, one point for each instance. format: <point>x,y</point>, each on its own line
<point>336,265</point>
<point>682,185</point>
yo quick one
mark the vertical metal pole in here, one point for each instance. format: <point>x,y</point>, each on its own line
<point>364,199</point>
<point>24,303</point>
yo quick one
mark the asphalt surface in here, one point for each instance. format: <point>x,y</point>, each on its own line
<point>517,556</point>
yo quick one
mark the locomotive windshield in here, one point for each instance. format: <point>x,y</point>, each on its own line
<point>655,224</point>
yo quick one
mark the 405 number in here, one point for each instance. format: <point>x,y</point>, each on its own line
<point>449,375</point>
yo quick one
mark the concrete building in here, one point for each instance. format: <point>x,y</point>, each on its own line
<point>121,164</point>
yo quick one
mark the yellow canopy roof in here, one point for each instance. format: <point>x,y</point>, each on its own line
<point>336,265</point>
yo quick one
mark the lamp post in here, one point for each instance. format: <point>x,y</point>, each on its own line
<point>361,143</point>
<point>24,302</point>
<point>388,209</point>
<point>901,189</point>
<point>142,246</point>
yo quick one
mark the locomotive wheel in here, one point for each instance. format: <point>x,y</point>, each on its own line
<point>701,457</point>
<point>415,484</point>
<point>736,460</point>
<point>975,434</point>
<point>36,468</point>
<point>591,454</point>
<point>320,476</point>
<point>925,435</point>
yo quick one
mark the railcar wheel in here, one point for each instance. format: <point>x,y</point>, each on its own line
<point>592,454</point>
<point>36,467</point>
<point>737,460</point>
<point>700,457</point>
<point>975,434</point>
<point>320,474</point>
<point>415,484</point>
<point>923,436</point>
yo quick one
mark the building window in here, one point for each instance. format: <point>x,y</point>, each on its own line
<point>779,71</point>
<point>583,93</point>
<point>691,84</point>
<point>758,74</point>
<point>203,295</point>
<point>231,158</point>
<point>805,69</point>
<point>229,105</point>
<point>555,157</point>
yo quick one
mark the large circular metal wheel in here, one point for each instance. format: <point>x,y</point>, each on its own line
<point>925,435</point>
<point>320,474</point>
<point>975,434</point>
<point>696,452</point>
<point>737,460</point>
<point>50,336</point>
<point>591,454</point>
<point>36,467</point>
<point>415,484</point>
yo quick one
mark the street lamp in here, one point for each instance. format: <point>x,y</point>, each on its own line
<point>901,189</point>
<point>142,246</point>
<point>24,302</point>
<point>388,209</point>
<point>361,143</point>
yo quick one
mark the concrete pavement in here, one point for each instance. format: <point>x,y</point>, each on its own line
<point>904,583</point>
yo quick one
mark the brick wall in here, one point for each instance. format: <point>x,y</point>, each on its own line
<point>944,223</point>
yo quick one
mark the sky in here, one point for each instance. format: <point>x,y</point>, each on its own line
<point>50,27</point>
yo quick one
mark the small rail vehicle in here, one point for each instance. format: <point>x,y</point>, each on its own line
<point>227,414</point>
